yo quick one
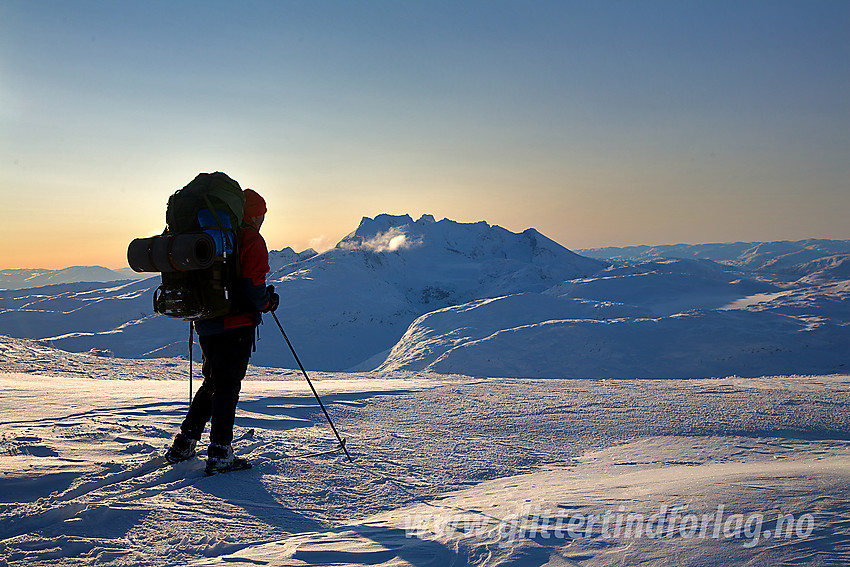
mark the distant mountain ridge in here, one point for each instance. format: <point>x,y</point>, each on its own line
<point>784,257</point>
<point>474,298</point>
<point>27,278</point>
<point>286,256</point>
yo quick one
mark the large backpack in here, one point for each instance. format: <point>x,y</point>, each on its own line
<point>198,253</point>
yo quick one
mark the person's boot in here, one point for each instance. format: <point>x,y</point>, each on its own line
<point>182,448</point>
<point>220,458</point>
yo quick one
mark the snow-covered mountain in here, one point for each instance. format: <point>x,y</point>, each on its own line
<point>478,299</point>
<point>350,305</point>
<point>280,258</point>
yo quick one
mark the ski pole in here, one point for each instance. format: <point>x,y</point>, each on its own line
<point>316,394</point>
<point>191,342</point>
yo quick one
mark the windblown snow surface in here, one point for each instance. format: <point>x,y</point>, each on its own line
<point>448,469</point>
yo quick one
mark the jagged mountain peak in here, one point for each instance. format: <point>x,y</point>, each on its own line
<point>371,228</point>
<point>476,240</point>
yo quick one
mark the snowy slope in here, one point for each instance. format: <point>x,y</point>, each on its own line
<point>448,470</point>
<point>117,317</point>
<point>478,340</point>
<point>655,319</point>
<point>687,345</point>
<point>827,269</point>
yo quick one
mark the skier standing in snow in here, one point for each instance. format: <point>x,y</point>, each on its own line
<point>226,343</point>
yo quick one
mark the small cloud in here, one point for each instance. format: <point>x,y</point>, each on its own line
<point>320,243</point>
<point>397,242</point>
<point>390,241</point>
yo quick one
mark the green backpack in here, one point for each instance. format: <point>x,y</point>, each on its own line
<point>198,254</point>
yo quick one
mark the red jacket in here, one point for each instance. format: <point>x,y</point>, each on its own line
<point>251,296</point>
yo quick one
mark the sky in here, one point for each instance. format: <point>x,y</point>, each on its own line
<point>599,123</point>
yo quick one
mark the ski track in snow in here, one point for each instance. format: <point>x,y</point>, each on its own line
<point>82,482</point>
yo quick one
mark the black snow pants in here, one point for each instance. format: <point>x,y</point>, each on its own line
<point>226,358</point>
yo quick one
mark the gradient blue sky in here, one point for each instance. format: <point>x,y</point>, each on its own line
<point>598,123</point>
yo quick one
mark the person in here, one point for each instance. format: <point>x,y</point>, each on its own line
<point>226,343</point>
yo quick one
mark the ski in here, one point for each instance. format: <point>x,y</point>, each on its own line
<point>237,465</point>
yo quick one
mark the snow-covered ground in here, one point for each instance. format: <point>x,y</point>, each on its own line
<point>449,469</point>
<point>470,369</point>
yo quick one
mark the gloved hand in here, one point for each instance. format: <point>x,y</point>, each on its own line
<point>274,300</point>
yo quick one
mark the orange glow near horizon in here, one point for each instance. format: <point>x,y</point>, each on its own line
<point>597,124</point>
